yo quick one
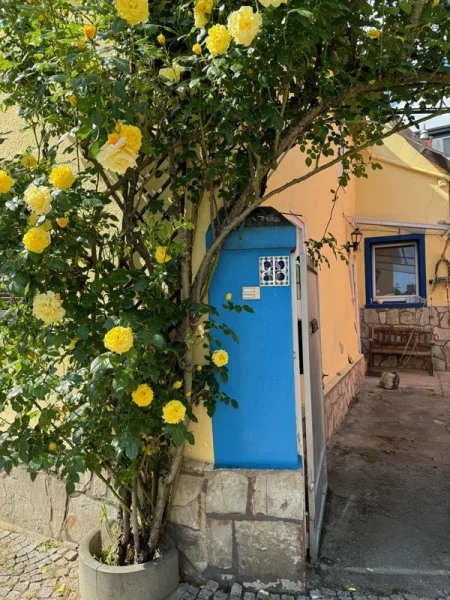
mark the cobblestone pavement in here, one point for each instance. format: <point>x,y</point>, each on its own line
<point>211,591</point>
<point>31,570</point>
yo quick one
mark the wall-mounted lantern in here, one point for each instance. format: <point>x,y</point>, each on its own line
<point>356,240</point>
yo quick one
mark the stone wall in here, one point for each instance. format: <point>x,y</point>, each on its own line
<point>339,394</point>
<point>43,507</point>
<point>438,317</point>
<point>241,525</point>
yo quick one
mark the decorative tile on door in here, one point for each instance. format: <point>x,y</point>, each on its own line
<point>274,270</point>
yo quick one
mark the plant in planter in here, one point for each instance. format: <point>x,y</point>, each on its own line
<point>146,121</point>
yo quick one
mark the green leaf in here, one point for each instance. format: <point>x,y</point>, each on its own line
<point>178,433</point>
<point>101,364</point>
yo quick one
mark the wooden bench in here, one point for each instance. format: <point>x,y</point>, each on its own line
<point>402,341</point>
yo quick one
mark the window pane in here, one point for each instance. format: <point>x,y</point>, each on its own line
<point>446,145</point>
<point>395,270</point>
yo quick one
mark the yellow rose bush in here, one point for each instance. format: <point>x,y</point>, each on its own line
<point>152,130</point>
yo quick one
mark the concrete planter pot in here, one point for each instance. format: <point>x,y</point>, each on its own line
<point>154,580</point>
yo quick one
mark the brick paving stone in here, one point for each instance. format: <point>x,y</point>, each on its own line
<point>274,596</point>
<point>236,590</point>
<point>249,596</point>
<point>263,595</point>
<point>220,595</point>
<point>212,585</point>
<point>205,594</point>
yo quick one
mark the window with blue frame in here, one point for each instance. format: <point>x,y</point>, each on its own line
<point>395,270</point>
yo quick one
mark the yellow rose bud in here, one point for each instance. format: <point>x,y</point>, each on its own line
<point>36,240</point>
<point>218,40</point>
<point>188,394</point>
<point>161,255</point>
<point>6,182</point>
<point>177,385</point>
<point>90,31</point>
<point>113,138</point>
<point>161,39</point>
<point>52,446</point>
<point>62,222</point>
<point>72,344</point>
<point>81,44</point>
<point>196,49</point>
<point>29,161</point>
<point>119,339</point>
<point>199,367</point>
<point>228,297</point>
<point>174,412</point>
<point>73,100</point>
<point>133,11</point>
<point>374,34</point>
<point>143,395</point>
<point>220,358</point>
<point>62,177</point>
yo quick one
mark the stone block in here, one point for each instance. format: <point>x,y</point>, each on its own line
<point>383,317</point>
<point>220,595</point>
<point>442,334</point>
<point>262,595</point>
<point>205,594</point>
<point>83,514</point>
<point>392,316</point>
<point>434,316</point>
<point>193,553</point>
<point>42,502</point>
<point>188,506</point>
<point>371,316</point>
<point>212,585</point>
<point>279,493</point>
<point>227,493</point>
<point>219,543</point>
<point>270,551</point>
<point>407,317</point>
<point>249,596</point>
<point>444,320</point>
<point>236,590</point>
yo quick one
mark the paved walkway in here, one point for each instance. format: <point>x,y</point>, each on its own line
<point>31,570</point>
<point>387,521</point>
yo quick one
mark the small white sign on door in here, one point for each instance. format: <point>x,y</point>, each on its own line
<point>251,293</point>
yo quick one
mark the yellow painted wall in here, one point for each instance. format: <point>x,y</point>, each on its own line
<point>399,193</point>
<point>313,200</point>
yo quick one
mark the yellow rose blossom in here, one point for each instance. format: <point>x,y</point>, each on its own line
<point>48,307</point>
<point>161,255</point>
<point>174,412</point>
<point>199,367</point>
<point>29,161</point>
<point>228,297</point>
<point>81,44</point>
<point>202,10</point>
<point>90,31</point>
<point>177,385</point>
<point>73,100</point>
<point>132,135</point>
<point>64,12</point>
<point>218,40</point>
<point>133,11</point>
<point>52,446</point>
<point>143,395</point>
<point>220,358</point>
<point>172,73</point>
<point>113,138</point>
<point>117,157</point>
<point>62,177</point>
<point>36,240</point>
<point>119,339</point>
<point>196,49</point>
<point>244,25</point>
<point>38,198</point>
<point>188,394</point>
<point>72,344</point>
<point>161,38</point>
<point>62,222</point>
<point>6,182</point>
<point>274,3</point>
<point>374,34</point>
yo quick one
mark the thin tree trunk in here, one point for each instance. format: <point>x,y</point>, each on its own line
<point>125,532</point>
<point>134,513</point>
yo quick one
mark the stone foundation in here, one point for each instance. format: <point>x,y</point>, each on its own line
<point>339,393</point>
<point>241,525</point>
<point>438,317</point>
